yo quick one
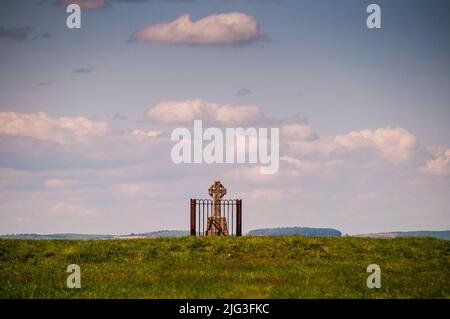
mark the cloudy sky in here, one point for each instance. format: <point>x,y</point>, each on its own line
<point>86,115</point>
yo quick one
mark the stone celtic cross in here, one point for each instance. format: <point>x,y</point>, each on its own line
<point>217,191</point>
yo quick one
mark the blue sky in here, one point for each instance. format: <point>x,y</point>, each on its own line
<point>316,58</point>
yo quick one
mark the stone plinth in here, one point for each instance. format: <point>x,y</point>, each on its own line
<point>217,226</point>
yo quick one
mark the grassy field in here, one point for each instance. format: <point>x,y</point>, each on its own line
<point>246,267</point>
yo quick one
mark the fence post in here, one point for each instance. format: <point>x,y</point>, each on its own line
<point>238,217</point>
<point>193,226</point>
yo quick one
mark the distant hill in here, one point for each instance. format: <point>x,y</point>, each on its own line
<point>69,236</point>
<point>303,231</point>
<point>282,231</point>
<point>435,234</point>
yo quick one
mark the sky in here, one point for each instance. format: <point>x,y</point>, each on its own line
<point>86,114</point>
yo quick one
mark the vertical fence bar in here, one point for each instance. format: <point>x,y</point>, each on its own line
<point>238,217</point>
<point>233,230</point>
<point>205,223</point>
<point>227,215</point>
<point>205,215</point>
<point>198,217</point>
<point>193,217</point>
<point>208,214</point>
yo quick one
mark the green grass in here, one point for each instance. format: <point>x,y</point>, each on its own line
<point>246,267</point>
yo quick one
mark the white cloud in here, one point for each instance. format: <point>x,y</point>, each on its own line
<point>130,189</point>
<point>393,144</point>
<point>64,209</point>
<point>438,166</point>
<point>224,28</point>
<point>369,197</point>
<point>146,133</point>
<point>298,132</point>
<point>250,173</point>
<point>181,112</point>
<point>270,195</point>
<point>6,173</point>
<point>43,127</point>
<point>307,166</point>
<point>60,182</point>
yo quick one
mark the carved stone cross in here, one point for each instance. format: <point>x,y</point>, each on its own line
<point>217,191</point>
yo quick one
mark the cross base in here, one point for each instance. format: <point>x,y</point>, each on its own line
<point>217,226</point>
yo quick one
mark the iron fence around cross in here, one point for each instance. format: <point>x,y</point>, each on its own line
<point>202,212</point>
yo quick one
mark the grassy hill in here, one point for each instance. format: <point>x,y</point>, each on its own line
<point>245,267</point>
<point>71,236</point>
<point>435,234</point>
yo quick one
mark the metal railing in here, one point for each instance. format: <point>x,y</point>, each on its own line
<point>202,209</point>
